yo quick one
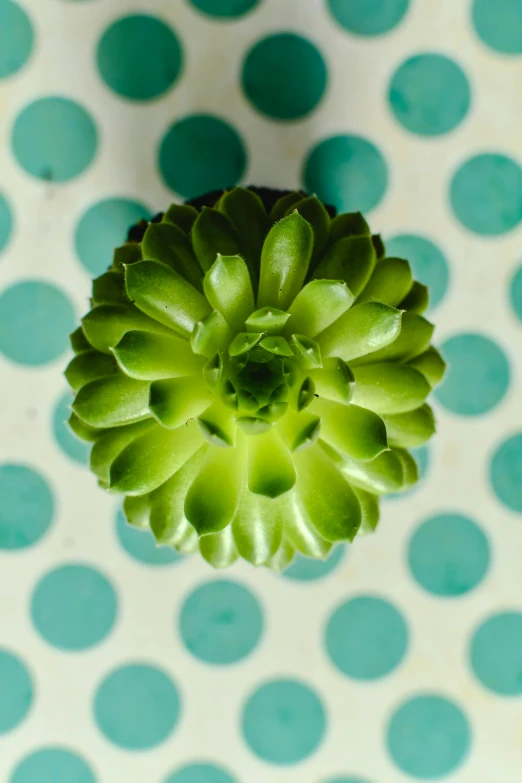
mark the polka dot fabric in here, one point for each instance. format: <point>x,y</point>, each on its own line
<point>396,658</point>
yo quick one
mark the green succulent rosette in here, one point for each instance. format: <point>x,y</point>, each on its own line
<point>251,374</point>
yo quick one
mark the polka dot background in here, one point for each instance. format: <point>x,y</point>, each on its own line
<point>396,659</point>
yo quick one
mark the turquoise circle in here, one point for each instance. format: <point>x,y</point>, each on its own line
<point>200,773</point>
<point>284,76</point>
<point>136,707</point>
<point>221,622</point>
<point>284,721</point>
<point>366,638</point>
<point>429,94</point>
<point>54,139</point>
<point>6,222</point>
<point>496,653</point>
<point>506,472</point>
<point>477,377</point>
<point>103,227</point>
<point>27,506</point>
<point>486,194</point>
<point>16,38</point>
<point>35,321</point>
<point>428,737</point>
<point>74,607</point>
<point>16,689</point>
<point>499,24</point>
<point>368,17</point>
<point>139,57</point>
<point>71,445</point>
<point>348,172</point>
<point>449,555</point>
<point>53,765</point>
<point>225,9</point>
<point>429,264</point>
<point>142,546</point>
<point>200,154</point>
<point>306,569</point>
<point>516,292</point>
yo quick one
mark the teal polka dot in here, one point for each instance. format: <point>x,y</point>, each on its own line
<point>225,9</point>
<point>35,321</point>
<point>496,653</point>
<point>27,506</point>
<point>428,737</point>
<point>499,24</point>
<point>477,377</point>
<point>306,569</point>
<point>6,222</point>
<point>16,38</point>
<point>141,544</point>
<point>516,292</point>
<point>366,638</point>
<point>449,555</point>
<point>103,227</point>
<point>16,691</point>
<point>53,765</point>
<point>429,94</point>
<point>348,172</point>
<point>200,773</point>
<point>200,154</point>
<point>73,607</point>
<point>221,622</point>
<point>284,76</point>
<point>486,194</point>
<point>54,139</point>
<point>428,263</point>
<point>506,473</point>
<point>136,707</point>
<point>368,17</point>
<point>139,57</point>
<point>69,443</point>
<point>284,721</point>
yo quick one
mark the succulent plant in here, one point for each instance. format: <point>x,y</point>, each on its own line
<point>251,373</point>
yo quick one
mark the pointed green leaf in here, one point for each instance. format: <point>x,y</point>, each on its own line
<point>314,212</point>
<point>137,511</point>
<point>412,429</point>
<point>79,341</point>
<point>370,510</point>
<point>211,335</point>
<point>270,468</point>
<point>317,305</point>
<point>153,457</point>
<point>334,380</point>
<point>128,253</point>
<point>273,411</point>
<point>299,430</point>
<point>111,443</point>
<point>349,224</point>
<point>351,259</point>
<point>389,388</point>
<point>285,257</point>
<point>228,288</point>
<point>268,320</point>
<point>181,215</point>
<point>307,352</point>
<point>246,211</point>
<point>217,425</point>
<point>170,245</point>
<point>109,288</point>
<point>257,527</point>
<point>165,296</point>
<point>105,325</point>
<point>282,558</point>
<point>431,365</point>
<point>306,394</point>
<point>213,233</point>
<point>282,205</point>
<point>112,401</point>
<point>176,400</point>
<point>251,425</point>
<point>242,343</point>
<point>417,300</point>
<point>356,432</point>
<point>410,469</point>
<point>327,498</point>
<point>167,518</point>
<point>363,329</point>
<point>381,475</point>
<point>213,496</point>
<point>413,339</point>
<point>390,282</point>
<point>189,543</point>
<point>150,357</point>
<point>300,531</point>
<point>219,549</point>
<point>89,366</point>
<point>276,345</point>
<point>82,430</point>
